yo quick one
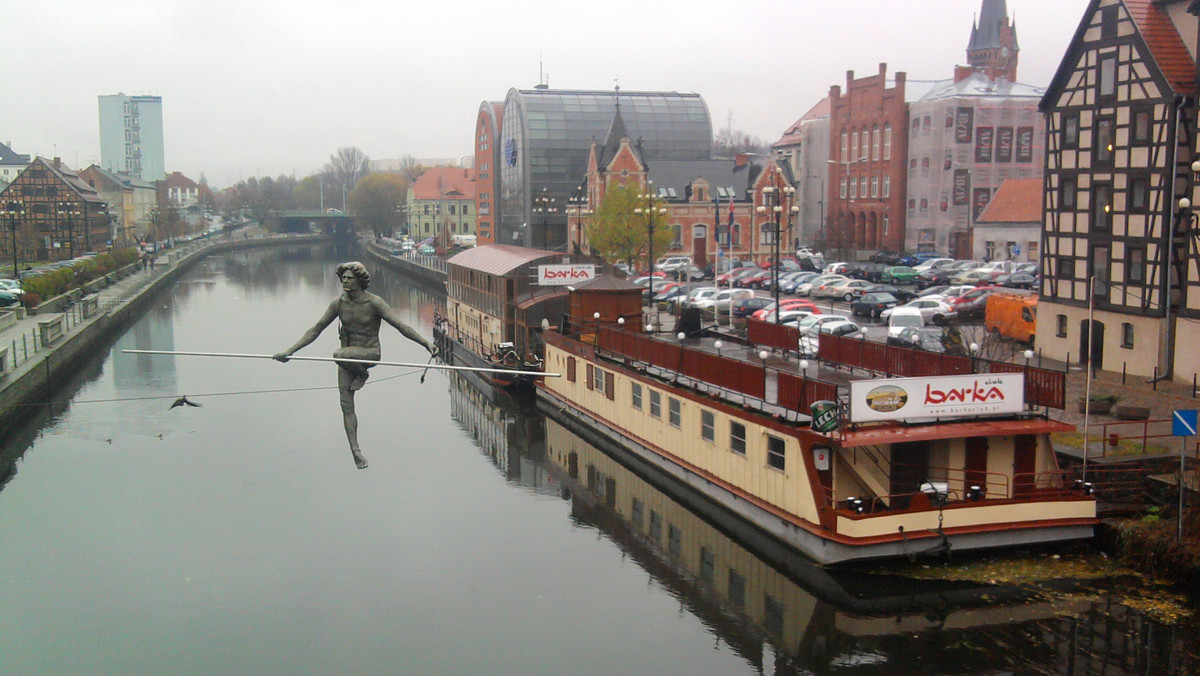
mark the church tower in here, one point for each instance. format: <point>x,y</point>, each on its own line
<point>993,46</point>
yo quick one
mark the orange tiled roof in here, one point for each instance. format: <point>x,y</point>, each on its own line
<point>1019,200</point>
<point>445,183</point>
<point>1164,43</point>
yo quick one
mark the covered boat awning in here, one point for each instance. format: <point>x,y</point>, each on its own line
<point>895,434</point>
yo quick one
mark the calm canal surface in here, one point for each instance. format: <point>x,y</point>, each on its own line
<point>238,537</point>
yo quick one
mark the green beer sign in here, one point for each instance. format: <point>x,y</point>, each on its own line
<point>825,416</point>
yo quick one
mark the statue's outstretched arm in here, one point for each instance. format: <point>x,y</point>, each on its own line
<point>313,331</point>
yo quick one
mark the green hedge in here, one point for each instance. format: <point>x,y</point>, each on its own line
<point>50,284</point>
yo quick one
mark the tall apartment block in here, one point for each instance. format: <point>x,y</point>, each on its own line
<point>131,136</point>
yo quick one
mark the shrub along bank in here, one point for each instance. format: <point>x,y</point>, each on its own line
<point>54,282</point>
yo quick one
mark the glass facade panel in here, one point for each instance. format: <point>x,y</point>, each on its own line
<point>546,135</point>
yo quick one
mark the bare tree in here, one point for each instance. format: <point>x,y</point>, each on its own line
<point>345,167</point>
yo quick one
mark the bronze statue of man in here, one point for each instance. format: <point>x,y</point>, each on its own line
<point>360,314</point>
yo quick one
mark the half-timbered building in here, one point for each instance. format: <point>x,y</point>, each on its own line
<point>55,215</point>
<point>1120,139</point>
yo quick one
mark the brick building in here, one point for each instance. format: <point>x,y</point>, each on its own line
<point>868,147</point>
<point>60,215</point>
<point>487,170</point>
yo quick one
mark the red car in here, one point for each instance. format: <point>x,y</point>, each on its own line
<point>723,279</point>
<point>787,304</point>
<point>753,280</point>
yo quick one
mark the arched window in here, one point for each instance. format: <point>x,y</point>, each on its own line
<point>677,234</point>
<point>735,235</point>
<point>887,141</point>
<point>875,143</point>
<point>699,232</point>
<point>853,146</point>
<point>865,148</point>
<point>845,153</point>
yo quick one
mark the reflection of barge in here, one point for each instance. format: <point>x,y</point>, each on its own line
<point>801,615</point>
<point>926,476</point>
<point>495,308</point>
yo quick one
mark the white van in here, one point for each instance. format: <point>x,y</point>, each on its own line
<point>904,318</point>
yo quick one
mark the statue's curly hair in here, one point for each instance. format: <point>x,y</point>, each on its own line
<point>360,271</point>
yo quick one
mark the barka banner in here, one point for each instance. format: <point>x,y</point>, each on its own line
<point>938,397</point>
<point>562,275</point>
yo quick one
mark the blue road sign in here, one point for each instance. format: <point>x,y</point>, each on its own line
<point>1183,423</point>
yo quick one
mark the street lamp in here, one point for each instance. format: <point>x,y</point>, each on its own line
<point>13,209</point>
<point>650,210</point>
<point>777,199</point>
<point>579,207</point>
<point>544,205</point>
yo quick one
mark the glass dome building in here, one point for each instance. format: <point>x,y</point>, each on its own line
<point>544,141</point>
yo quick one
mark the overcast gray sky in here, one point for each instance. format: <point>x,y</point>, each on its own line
<point>262,87</point>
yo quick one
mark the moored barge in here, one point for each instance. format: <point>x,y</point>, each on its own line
<point>894,452</point>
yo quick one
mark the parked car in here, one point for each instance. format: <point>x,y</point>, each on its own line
<point>902,295</point>
<point>932,264</point>
<point>767,314</point>
<point>719,302</point>
<point>898,274</point>
<point>806,288</point>
<point>657,287</point>
<point>847,290</point>
<point>11,286</point>
<point>673,264</point>
<point>972,304</point>
<point>813,323</point>
<point>810,342</point>
<point>873,304</point>
<point>696,293</point>
<point>8,298</point>
<point>794,280</point>
<point>669,293</point>
<point>926,339</point>
<point>753,280</point>
<point>949,294</point>
<point>792,316</point>
<point>903,318</point>
<point>746,307</point>
<point>1016,280</point>
<point>1012,316</point>
<point>977,276</point>
<point>725,278</point>
<point>933,310</point>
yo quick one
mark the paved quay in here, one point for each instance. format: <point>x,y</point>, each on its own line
<point>40,350</point>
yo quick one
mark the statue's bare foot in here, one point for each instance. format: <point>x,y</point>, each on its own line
<point>358,382</point>
<point>360,461</point>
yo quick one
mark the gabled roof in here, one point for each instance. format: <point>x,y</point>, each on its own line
<point>612,141</point>
<point>445,183</point>
<point>791,136</point>
<point>7,156</point>
<point>64,173</point>
<point>499,259</point>
<point>1018,200</point>
<point>608,283</point>
<point>678,174</point>
<point>1165,48</point>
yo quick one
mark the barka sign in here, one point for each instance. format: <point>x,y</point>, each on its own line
<point>561,275</point>
<point>939,397</point>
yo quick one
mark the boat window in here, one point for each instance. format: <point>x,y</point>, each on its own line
<point>737,437</point>
<point>636,391</point>
<point>775,455</point>
<point>674,414</point>
<point>707,425</point>
<point>655,404</point>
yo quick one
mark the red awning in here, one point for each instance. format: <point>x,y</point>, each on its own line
<point>894,434</point>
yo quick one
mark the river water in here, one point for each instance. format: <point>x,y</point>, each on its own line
<point>238,537</point>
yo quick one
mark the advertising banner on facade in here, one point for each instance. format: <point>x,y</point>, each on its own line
<point>1024,144</point>
<point>1004,144</point>
<point>962,186</point>
<point>943,397</point>
<point>984,139</point>
<point>562,275</point>
<point>964,123</point>
<point>979,201</point>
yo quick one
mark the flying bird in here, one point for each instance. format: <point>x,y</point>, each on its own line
<point>183,401</point>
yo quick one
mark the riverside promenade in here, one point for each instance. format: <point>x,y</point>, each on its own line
<point>40,350</point>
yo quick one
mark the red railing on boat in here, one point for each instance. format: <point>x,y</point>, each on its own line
<point>1043,387</point>
<point>730,374</point>
<point>768,334</point>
